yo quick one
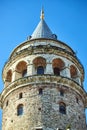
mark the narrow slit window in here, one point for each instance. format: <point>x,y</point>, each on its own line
<point>20,95</point>
<point>7,103</point>
<point>61,93</point>
<point>77,100</point>
<point>40,91</point>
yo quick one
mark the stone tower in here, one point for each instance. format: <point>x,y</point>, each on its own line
<point>43,85</point>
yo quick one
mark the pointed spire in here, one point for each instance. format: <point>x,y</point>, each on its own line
<point>42,30</point>
<point>42,14</point>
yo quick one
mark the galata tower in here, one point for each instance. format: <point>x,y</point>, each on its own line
<point>43,85</point>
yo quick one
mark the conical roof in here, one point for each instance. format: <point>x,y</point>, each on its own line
<point>42,30</point>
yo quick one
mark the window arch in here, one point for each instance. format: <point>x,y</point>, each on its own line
<point>62,107</point>
<point>9,76</point>
<point>21,68</point>
<point>20,109</point>
<point>73,71</point>
<point>58,66</point>
<point>39,64</point>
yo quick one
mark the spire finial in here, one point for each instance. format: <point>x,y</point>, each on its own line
<point>42,14</point>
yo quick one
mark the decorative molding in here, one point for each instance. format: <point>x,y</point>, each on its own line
<point>43,79</point>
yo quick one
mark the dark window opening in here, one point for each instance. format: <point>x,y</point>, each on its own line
<point>62,108</point>
<point>24,74</point>
<point>20,95</point>
<point>20,110</point>
<point>11,120</point>
<point>40,91</point>
<point>39,108</point>
<point>56,71</point>
<point>40,70</point>
<point>61,93</point>
<point>77,100</point>
<point>79,117</point>
<point>6,103</point>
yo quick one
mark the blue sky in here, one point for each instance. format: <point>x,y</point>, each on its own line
<point>66,18</point>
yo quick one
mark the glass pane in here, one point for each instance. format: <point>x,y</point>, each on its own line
<point>20,110</point>
<point>40,70</point>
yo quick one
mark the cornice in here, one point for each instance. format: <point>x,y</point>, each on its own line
<point>46,40</point>
<point>43,79</point>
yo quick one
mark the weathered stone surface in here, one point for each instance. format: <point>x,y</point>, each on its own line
<point>43,110</point>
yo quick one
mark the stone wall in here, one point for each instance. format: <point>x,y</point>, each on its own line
<point>42,110</point>
<point>41,94</point>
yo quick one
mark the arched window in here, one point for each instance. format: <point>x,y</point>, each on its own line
<point>20,110</point>
<point>39,65</point>
<point>9,76</point>
<point>20,95</point>
<point>40,70</point>
<point>62,108</point>
<point>73,71</point>
<point>58,66</point>
<point>21,69</point>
